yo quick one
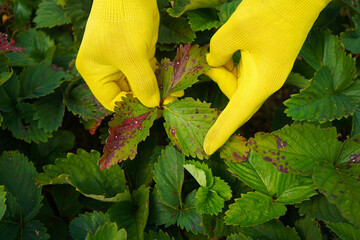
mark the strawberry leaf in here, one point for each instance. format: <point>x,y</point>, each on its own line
<point>50,14</point>
<point>235,149</point>
<point>7,47</point>
<point>187,122</point>
<point>129,126</point>
<point>181,6</point>
<point>188,65</point>
<point>203,19</point>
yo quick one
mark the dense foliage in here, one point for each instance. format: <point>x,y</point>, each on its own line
<point>70,169</point>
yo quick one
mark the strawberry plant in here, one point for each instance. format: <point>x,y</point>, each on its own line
<point>70,169</point>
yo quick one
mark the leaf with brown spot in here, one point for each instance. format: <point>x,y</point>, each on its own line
<point>188,65</point>
<point>129,126</point>
<point>341,187</point>
<point>187,122</point>
<point>235,149</point>
<point>298,148</point>
<point>350,151</point>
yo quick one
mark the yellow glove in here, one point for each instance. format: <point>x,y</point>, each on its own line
<point>270,34</point>
<point>116,55</point>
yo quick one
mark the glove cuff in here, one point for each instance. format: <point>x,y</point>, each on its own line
<point>300,13</point>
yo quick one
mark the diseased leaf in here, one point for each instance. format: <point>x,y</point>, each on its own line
<point>181,6</point>
<point>340,186</point>
<point>345,231</point>
<point>235,149</point>
<point>50,14</point>
<point>273,230</point>
<point>351,37</point>
<point>265,178</point>
<point>129,126</point>
<point>108,231</point>
<point>82,102</point>
<point>350,152</point>
<point>320,208</point>
<point>252,209</point>
<point>298,148</point>
<point>132,214</point>
<point>308,229</point>
<point>87,223</point>
<point>322,101</point>
<point>23,197</point>
<point>188,65</point>
<point>39,80</point>
<point>353,4</point>
<point>34,230</point>
<point>20,122</point>
<point>7,47</point>
<point>203,19</point>
<point>187,122</point>
<point>227,9</point>
<point>2,201</point>
<point>356,122</point>
<point>82,172</point>
<point>50,111</point>
<point>175,30</point>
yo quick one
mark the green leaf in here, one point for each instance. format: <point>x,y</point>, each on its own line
<point>175,30</point>
<point>50,111</point>
<point>340,186</point>
<point>20,122</point>
<point>203,19</point>
<point>130,125</point>
<point>322,101</point>
<point>351,37</point>
<point>78,11</point>
<point>169,176</point>
<point>238,236</point>
<point>235,149</point>
<point>313,48</point>
<point>188,65</point>
<point>273,230</point>
<point>308,229</point>
<point>208,201</point>
<point>320,208</point>
<point>227,9</point>
<point>353,5</point>
<point>298,148</point>
<point>158,236</point>
<point>39,80</point>
<point>345,231</point>
<point>253,208</point>
<point>34,230</point>
<point>56,147</point>
<point>109,231</point>
<point>1,119</point>
<point>356,122</point>
<point>83,172</point>
<point>350,152</point>
<point>9,92</point>
<point>50,14</point>
<point>82,102</point>
<point>87,223</point>
<point>201,172</point>
<point>132,214</point>
<point>168,204</point>
<point>187,122</point>
<point>39,48</point>
<point>215,226</point>
<point>23,197</point>
<point>181,6</point>
<point>298,80</point>
<point>2,201</point>
<point>66,199</point>
<point>5,72</point>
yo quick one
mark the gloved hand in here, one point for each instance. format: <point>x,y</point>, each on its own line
<point>270,34</point>
<point>116,55</point>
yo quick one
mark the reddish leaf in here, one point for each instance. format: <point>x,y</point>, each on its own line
<point>235,150</point>
<point>6,47</point>
<point>130,125</point>
<point>188,65</point>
